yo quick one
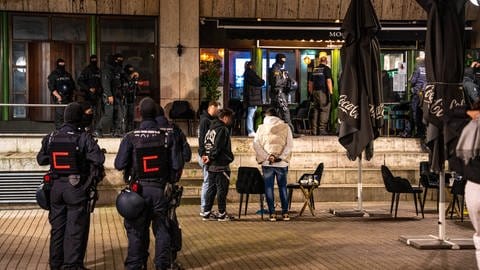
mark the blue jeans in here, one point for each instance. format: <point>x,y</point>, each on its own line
<point>250,115</point>
<point>269,174</point>
<point>203,194</point>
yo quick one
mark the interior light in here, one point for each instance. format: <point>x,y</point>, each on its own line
<point>475,2</point>
<point>307,60</point>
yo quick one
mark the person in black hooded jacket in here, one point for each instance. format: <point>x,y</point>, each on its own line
<point>218,156</point>
<point>90,83</point>
<point>62,87</point>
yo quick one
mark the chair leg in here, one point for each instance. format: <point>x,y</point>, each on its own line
<point>396,204</point>
<point>391,205</point>
<point>312,201</point>
<point>261,205</point>
<point>240,208</point>
<point>246,204</point>
<point>453,206</point>
<point>415,201</point>
<point>462,208</point>
<point>424,196</point>
<point>290,193</point>
<point>422,206</point>
<point>438,198</point>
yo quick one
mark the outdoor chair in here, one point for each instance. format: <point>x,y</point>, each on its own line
<point>458,189</point>
<point>428,180</point>
<point>250,181</point>
<point>398,185</point>
<point>290,187</point>
<point>301,119</point>
<point>182,111</point>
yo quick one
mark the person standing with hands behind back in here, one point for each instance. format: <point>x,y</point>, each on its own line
<point>252,94</point>
<point>273,147</point>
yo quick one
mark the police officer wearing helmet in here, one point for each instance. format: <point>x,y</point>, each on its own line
<point>280,83</point>
<point>76,166</point>
<point>61,86</point>
<point>145,155</point>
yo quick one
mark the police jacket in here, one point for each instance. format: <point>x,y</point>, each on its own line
<point>252,91</point>
<point>278,79</point>
<point>203,126</point>
<point>181,151</point>
<point>146,154</point>
<point>111,80</point>
<point>63,82</point>
<point>319,78</point>
<point>90,155</point>
<point>419,79</point>
<point>218,146</point>
<point>90,78</point>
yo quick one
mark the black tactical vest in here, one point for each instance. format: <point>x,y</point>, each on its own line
<point>151,158</point>
<point>65,154</point>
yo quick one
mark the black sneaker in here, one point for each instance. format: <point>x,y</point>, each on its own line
<point>208,216</point>
<point>224,217</point>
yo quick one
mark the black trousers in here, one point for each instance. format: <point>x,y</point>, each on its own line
<point>112,117</point>
<point>320,112</point>
<point>217,186</point>
<point>70,221</point>
<point>280,102</point>
<point>154,214</point>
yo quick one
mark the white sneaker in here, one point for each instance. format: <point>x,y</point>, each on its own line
<point>253,134</point>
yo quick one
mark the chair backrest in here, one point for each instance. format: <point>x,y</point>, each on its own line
<point>181,109</point>
<point>424,167</point>
<point>319,172</point>
<point>250,181</point>
<point>427,178</point>
<point>387,177</point>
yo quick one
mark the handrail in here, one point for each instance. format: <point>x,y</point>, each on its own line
<point>31,105</point>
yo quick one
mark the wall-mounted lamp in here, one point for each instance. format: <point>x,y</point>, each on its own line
<point>307,60</point>
<point>475,2</point>
<point>221,53</point>
<point>180,49</point>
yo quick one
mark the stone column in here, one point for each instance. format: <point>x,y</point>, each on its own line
<point>179,74</point>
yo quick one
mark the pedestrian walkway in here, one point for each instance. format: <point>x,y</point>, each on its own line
<point>322,241</point>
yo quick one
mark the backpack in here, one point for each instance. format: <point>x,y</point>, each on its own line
<point>65,154</point>
<point>181,109</point>
<point>318,79</point>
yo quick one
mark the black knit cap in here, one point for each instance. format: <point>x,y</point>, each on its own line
<point>73,113</point>
<point>148,108</point>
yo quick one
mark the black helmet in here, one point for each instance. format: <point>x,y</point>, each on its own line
<point>43,196</point>
<point>129,204</point>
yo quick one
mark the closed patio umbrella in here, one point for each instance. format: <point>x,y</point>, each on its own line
<point>360,107</point>
<point>444,61</point>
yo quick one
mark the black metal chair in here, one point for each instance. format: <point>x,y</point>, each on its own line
<point>458,189</point>
<point>290,187</point>
<point>301,120</point>
<point>250,181</point>
<point>398,185</point>
<point>181,111</point>
<point>428,180</point>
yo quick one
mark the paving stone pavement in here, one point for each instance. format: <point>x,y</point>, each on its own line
<point>320,242</point>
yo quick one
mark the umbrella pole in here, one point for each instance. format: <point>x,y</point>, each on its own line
<point>360,185</point>
<point>441,207</point>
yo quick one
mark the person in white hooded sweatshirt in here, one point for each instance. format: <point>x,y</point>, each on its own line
<point>273,145</point>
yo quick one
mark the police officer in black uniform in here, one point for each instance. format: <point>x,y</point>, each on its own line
<point>76,167</point>
<point>111,84</point>
<point>129,92</point>
<point>61,86</point>
<point>320,88</point>
<point>90,83</point>
<point>146,155</point>
<point>279,88</point>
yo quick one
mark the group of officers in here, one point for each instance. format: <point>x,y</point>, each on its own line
<point>152,158</point>
<point>110,93</point>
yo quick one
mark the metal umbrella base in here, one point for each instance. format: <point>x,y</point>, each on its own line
<point>347,213</point>
<point>441,241</point>
<point>433,242</point>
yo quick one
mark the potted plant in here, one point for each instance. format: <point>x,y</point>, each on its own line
<point>210,78</point>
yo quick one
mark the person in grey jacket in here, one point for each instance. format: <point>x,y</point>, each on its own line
<point>471,88</point>
<point>273,145</point>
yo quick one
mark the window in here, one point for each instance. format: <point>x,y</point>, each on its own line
<point>19,76</point>
<point>138,30</point>
<point>69,28</point>
<point>237,60</point>
<point>31,27</point>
